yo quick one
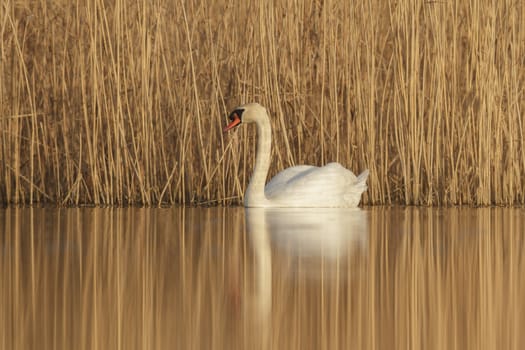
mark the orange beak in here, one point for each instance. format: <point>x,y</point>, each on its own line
<point>233,123</point>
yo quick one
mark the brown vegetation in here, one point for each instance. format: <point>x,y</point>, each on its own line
<point>123,102</point>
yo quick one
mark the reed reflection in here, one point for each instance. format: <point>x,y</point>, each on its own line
<point>226,278</point>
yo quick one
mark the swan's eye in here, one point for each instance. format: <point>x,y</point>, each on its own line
<point>236,113</point>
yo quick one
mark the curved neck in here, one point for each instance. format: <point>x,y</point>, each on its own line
<point>254,195</point>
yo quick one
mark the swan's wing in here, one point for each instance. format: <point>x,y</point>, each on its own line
<point>329,186</point>
<point>280,180</point>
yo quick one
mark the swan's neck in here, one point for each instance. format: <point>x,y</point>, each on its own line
<point>254,196</point>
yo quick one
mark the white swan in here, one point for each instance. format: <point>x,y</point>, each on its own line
<point>300,186</point>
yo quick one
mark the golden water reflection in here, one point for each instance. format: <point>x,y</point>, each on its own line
<point>226,278</point>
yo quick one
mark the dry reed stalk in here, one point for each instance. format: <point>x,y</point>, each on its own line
<point>123,103</point>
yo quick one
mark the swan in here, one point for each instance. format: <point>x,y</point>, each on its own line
<point>302,186</point>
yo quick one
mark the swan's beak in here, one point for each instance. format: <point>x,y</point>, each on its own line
<point>236,121</point>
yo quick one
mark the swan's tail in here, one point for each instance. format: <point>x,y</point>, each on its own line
<point>353,196</point>
<point>360,182</point>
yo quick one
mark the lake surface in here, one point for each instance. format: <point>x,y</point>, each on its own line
<point>230,278</point>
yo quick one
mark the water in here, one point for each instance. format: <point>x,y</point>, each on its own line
<point>226,278</point>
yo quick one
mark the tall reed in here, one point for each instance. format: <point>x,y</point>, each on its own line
<point>123,102</point>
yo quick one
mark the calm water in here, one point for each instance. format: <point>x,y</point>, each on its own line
<point>226,278</point>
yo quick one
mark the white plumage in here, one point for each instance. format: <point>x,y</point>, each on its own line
<point>331,185</point>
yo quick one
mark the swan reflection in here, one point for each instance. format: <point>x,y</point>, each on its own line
<point>308,233</point>
<point>314,240</point>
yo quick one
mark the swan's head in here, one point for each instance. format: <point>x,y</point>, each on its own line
<point>248,113</point>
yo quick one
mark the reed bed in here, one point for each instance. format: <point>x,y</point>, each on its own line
<point>123,102</point>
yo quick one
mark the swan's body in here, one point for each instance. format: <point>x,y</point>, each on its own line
<point>300,186</point>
